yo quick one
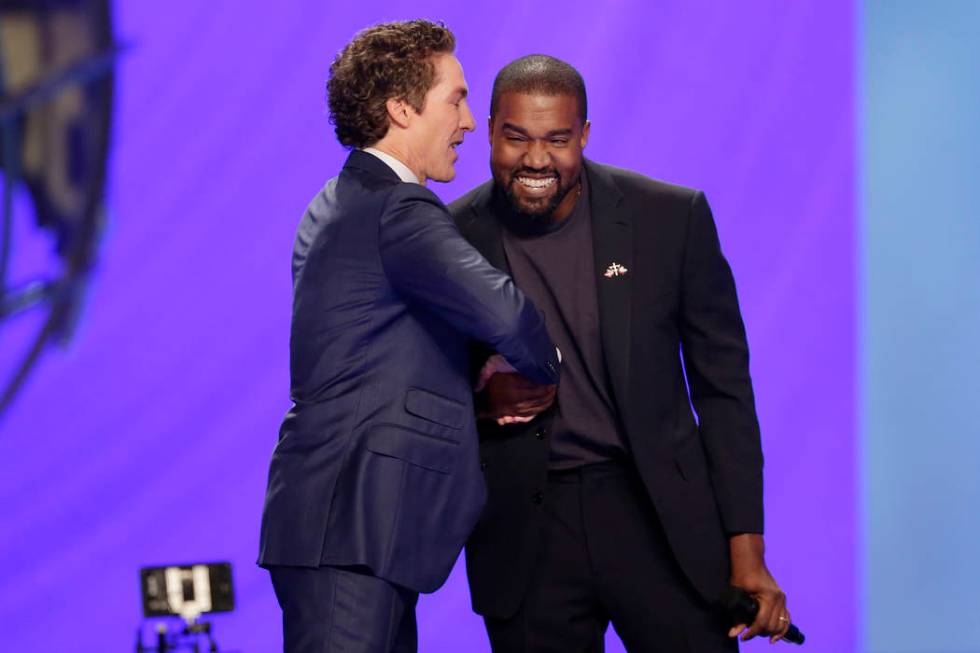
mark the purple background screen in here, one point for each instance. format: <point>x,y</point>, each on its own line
<point>148,440</point>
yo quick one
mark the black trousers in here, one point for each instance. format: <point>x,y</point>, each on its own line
<point>333,609</point>
<point>604,557</point>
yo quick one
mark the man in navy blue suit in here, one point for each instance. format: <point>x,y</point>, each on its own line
<point>375,482</point>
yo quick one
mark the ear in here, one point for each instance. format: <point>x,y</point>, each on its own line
<point>399,112</point>
<point>490,130</point>
<point>585,134</point>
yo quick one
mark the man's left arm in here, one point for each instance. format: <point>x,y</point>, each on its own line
<point>716,360</point>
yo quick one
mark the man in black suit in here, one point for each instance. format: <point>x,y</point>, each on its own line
<point>374,484</point>
<point>611,501</point>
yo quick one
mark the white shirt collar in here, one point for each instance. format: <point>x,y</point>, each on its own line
<point>400,168</point>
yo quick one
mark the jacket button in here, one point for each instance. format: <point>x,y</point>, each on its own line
<point>540,433</point>
<point>483,464</point>
<point>537,497</point>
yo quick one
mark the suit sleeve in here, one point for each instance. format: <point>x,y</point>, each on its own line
<point>716,359</point>
<point>429,262</point>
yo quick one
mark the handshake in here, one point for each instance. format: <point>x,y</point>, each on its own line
<point>508,397</point>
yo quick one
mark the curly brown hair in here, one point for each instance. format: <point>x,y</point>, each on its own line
<point>390,60</point>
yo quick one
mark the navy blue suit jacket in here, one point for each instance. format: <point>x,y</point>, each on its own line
<point>377,461</point>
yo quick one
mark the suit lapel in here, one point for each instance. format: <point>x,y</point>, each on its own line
<point>484,232</point>
<point>612,244</point>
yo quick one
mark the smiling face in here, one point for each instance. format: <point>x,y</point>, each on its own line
<point>445,117</point>
<point>536,144</point>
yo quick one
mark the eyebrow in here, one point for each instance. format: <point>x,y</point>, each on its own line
<point>550,134</point>
<point>462,91</point>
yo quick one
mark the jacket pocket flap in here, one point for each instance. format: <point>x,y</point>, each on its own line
<point>434,408</point>
<point>413,447</point>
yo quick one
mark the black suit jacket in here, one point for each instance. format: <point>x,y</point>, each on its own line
<point>675,301</point>
<point>377,463</point>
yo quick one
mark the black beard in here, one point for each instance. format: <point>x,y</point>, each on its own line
<point>539,214</point>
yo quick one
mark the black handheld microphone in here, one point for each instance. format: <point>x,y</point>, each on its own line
<point>742,607</point>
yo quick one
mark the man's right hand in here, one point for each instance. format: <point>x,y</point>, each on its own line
<point>510,398</point>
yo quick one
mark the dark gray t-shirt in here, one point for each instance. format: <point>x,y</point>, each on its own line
<point>554,266</point>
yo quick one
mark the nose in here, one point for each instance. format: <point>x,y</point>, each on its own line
<point>537,155</point>
<point>467,124</point>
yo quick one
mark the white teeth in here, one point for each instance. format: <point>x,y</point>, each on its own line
<point>536,183</point>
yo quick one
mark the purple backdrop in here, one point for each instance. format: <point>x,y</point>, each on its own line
<point>148,441</point>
